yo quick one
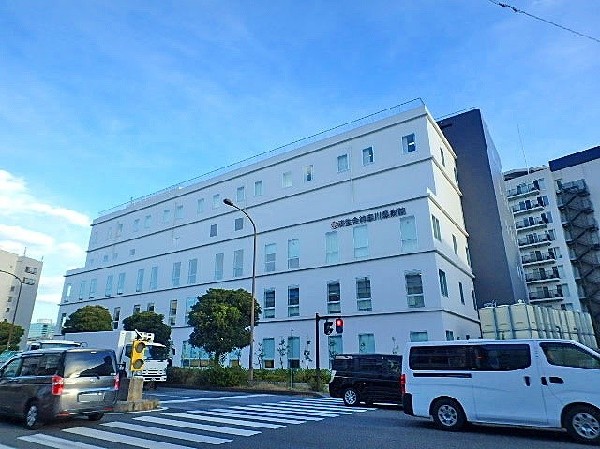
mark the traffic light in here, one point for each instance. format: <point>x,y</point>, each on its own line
<point>137,355</point>
<point>327,327</point>
<point>339,325</point>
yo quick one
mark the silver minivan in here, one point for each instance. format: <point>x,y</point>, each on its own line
<point>49,383</point>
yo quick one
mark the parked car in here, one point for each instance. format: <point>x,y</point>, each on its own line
<point>534,383</point>
<point>367,378</point>
<point>45,384</point>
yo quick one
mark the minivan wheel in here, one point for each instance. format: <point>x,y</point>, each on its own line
<point>32,416</point>
<point>583,424</point>
<point>95,416</point>
<point>448,414</point>
<point>350,397</point>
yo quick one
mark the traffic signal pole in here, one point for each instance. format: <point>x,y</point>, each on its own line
<point>318,345</point>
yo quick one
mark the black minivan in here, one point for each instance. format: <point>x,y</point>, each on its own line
<point>49,383</point>
<point>367,378</point>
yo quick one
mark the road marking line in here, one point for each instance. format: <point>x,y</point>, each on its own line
<point>246,396</point>
<point>286,414</point>
<point>2,446</point>
<point>292,410</point>
<point>168,433</point>
<point>200,416</point>
<point>123,439</point>
<point>239,414</point>
<point>311,407</point>
<point>58,443</point>
<point>196,426</point>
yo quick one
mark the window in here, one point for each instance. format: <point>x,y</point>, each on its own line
<point>115,317</point>
<point>437,233</point>
<point>219,266</point>
<point>109,285</point>
<point>238,224</point>
<point>443,357</point>
<point>333,297</point>
<point>200,206</point>
<point>454,244</point>
<point>268,352</point>
<point>192,271</point>
<point>179,212</point>
<point>93,283</point>
<point>468,253</point>
<point>408,144</point>
<point>501,357</point>
<point>332,254</point>
<point>336,346</point>
<point>566,354</point>
<point>154,278</point>
<point>258,188</point>
<point>139,280</point>
<point>82,288</point>
<point>213,230</point>
<point>449,335</point>
<point>286,179</point>
<point>216,201</point>
<point>293,253</point>
<point>293,352</point>
<point>293,300</point>
<point>363,294</point>
<point>136,225</point>
<point>361,241</point>
<point>270,257</point>
<point>238,263</point>
<point>166,215</point>
<point>172,312</point>
<point>414,290</point>
<point>137,308</point>
<point>68,288</point>
<point>150,307</point>
<point>460,292</point>
<point>121,283</point>
<point>443,159</point>
<point>419,336</point>
<point>240,194</point>
<point>443,284</point>
<point>190,302</point>
<point>176,274</point>
<point>308,173</point>
<point>367,156</point>
<point>269,303</point>
<point>408,234</point>
<point>342,163</point>
<point>366,343</point>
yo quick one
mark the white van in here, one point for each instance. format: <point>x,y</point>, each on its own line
<point>537,383</point>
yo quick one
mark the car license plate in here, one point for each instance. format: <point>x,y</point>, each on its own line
<point>91,397</point>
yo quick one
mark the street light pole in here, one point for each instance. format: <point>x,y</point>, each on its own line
<point>250,352</point>
<point>10,331</point>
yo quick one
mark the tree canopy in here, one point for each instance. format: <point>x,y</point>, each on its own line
<point>88,319</point>
<point>221,321</point>
<point>150,322</point>
<point>16,336</point>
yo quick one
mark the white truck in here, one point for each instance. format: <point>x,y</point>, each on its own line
<point>155,356</point>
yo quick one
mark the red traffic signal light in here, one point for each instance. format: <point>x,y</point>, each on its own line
<point>327,327</point>
<point>339,325</point>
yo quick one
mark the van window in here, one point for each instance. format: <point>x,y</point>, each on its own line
<point>392,366</point>
<point>447,357</point>
<point>502,357</point>
<point>342,364</point>
<point>43,365</point>
<point>565,354</point>
<point>90,364</point>
<point>12,368</point>
<point>370,364</point>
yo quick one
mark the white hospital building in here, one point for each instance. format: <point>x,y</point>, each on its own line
<point>366,224</point>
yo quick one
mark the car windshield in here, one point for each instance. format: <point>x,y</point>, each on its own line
<point>90,364</point>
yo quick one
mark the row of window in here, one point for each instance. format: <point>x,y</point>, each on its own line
<point>177,213</point>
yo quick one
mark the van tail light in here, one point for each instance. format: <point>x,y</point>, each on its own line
<point>58,385</point>
<point>402,383</point>
<point>117,381</point>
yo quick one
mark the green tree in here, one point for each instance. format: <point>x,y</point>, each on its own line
<point>88,319</point>
<point>151,322</point>
<point>221,321</point>
<point>17,333</point>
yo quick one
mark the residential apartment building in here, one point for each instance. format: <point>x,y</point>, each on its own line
<point>366,224</point>
<point>19,279</point>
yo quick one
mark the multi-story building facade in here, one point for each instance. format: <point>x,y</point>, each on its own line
<point>41,329</point>
<point>366,224</point>
<point>19,277</point>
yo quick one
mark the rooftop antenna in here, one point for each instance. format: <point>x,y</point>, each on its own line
<point>522,148</point>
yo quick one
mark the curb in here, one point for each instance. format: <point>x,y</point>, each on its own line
<point>141,405</point>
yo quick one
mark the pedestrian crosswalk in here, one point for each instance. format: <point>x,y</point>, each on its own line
<point>193,429</point>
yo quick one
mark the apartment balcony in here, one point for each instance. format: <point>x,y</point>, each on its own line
<point>522,191</point>
<point>545,295</point>
<point>542,276</point>
<point>534,240</point>
<point>537,258</point>
<point>529,223</point>
<point>529,207</point>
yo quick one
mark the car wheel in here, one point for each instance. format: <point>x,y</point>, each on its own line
<point>350,397</point>
<point>95,416</point>
<point>32,416</point>
<point>448,414</point>
<point>583,424</point>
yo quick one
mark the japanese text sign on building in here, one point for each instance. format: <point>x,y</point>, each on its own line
<point>380,215</point>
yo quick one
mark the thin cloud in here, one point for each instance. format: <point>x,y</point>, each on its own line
<point>25,236</point>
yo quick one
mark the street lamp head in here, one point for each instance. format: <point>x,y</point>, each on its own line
<point>228,202</point>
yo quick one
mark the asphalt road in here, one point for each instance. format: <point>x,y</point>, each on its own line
<point>231,420</point>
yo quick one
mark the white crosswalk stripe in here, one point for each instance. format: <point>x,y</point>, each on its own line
<point>202,416</point>
<point>292,410</point>
<point>312,408</point>
<point>274,412</point>
<point>58,443</point>
<point>159,431</point>
<point>331,406</point>
<point>2,446</point>
<point>196,426</point>
<point>243,415</point>
<point>124,439</point>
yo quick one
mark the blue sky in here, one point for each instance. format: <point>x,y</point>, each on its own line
<point>101,101</point>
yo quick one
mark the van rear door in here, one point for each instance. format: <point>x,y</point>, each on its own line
<point>506,385</point>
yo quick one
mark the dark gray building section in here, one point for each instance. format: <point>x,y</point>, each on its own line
<point>495,258</point>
